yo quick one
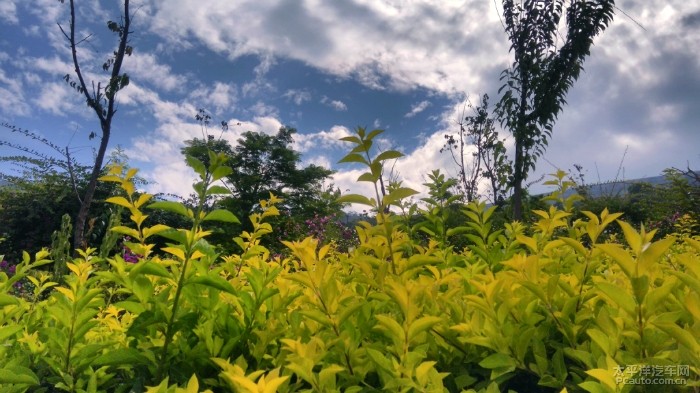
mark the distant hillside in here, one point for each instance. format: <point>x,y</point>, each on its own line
<point>621,187</point>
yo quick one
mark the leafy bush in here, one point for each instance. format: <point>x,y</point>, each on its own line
<point>555,306</point>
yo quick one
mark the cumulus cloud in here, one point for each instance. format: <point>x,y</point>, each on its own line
<point>146,67</point>
<point>12,98</point>
<point>335,104</point>
<point>418,108</point>
<point>59,100</point>
<point>168,172</point>
<point>219,98</point>
<point>297,96</point>
<point>308,142</point>
<point>8,12</point>
<point>640,88</point>
<point>429,43</point>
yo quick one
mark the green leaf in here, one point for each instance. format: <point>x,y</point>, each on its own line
<point>389,155</point>
<point>618,296</point>
<point>326,377</point>
<point>171,206</point>
<point>220,172</point>
<point>221,215</point>
<point>398,194</point>
<point>197,165</point>
<point>218,190</point>
<point>154,230</point>
<point>373,133</point>
<point>457,231</point>
<point>497,360</point>
<point>633,238</point>
<point>352,139</point>
<point>356,198</point>
<point>530,242</point>
<point>18,375</point>
<point>317,316</point>
<point>9,331</point>
<point>601,339</point>
<point>177,235</point>
<point>214,282</point>
<point>535,289</point>
<point>392,330</point>
<point>653,253</point>
<point>594,387</point>
<point>368,177</point>
<point>418,260</point>
<point>354,157</point>
<point>7,300</point>
<point>126,231</point>
<point>121,356</point>
<point>575,244</point>
<point>420,325</point>
<point>376,168</point>
<point>605,377</point>
<point>682,336</point>
<point>379,359</point>
<point>688,280</point>
<point>621,256</point>
<point>149,267</point>
<point>119,200</point>
<point>348,311</point>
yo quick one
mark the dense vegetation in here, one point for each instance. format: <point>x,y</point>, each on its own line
<point>580,294</point>
<point>560,304</point>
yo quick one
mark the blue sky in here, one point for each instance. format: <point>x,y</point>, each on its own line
<point>326,67</point>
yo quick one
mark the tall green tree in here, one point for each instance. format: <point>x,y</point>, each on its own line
<point>101,98</point>
<point>264,164</point>
<point>543,72</point>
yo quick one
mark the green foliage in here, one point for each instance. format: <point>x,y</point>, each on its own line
<point>262,164</point>
<point>667,207</point>
<point>553,306</point>
<point>542,72</point>
<point>60,248</point>
<point>33,203</point>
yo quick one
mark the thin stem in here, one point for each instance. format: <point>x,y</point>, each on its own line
<point>189,249</point>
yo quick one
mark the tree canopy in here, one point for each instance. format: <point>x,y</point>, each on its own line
<point>542,72</point>
<point>264,164</point>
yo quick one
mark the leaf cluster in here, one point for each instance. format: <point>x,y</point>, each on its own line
<point>554,306</point>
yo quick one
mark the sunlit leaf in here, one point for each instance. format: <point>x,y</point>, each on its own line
<point>221,215</point>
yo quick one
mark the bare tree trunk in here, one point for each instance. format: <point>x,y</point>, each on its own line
<point>101,100</point>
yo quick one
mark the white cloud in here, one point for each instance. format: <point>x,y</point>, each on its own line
<point>260,84</point>
<point>335,104</point>
<point>428,43</point>
<point>418,108</point>
<point>164,111</point>
<point>262,109</point>
<point>8,12</point>
<point>314,142</point>
<point>57,99</point>
<point>222,97</point>
<point>168,171</point>
<point>319,160</point>
<point>12,99</point>
<point>298,96</point>
<point>145,67</point>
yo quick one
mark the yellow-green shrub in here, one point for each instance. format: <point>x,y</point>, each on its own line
<point>555,306</point>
